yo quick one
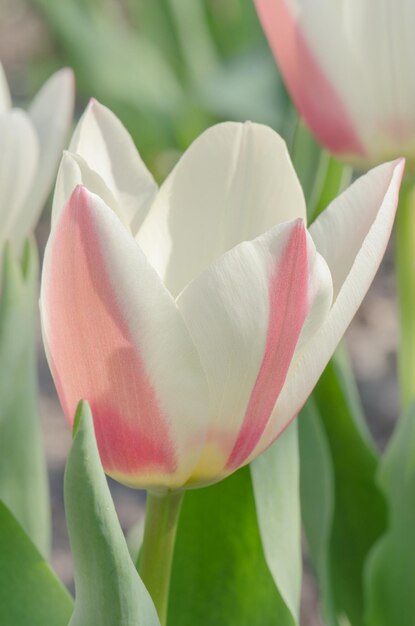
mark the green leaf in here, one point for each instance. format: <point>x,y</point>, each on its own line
<point>332,178</point>
<point>275,478</point>
<point>322,177</point>
<point>405,279</point>
<point>390,572</point>
<point>360,508</point>
<point>306,158</point>
<point>23,476</point>
<point>109,591</point>
<point>317,501</point>
<point>30,593</point>
<point>222,570</point>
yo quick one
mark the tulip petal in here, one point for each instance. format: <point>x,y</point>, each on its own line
<point>5,100</point>
<point>352,234</point>
<point>51,114</point>
<point>18,162</point>
<point>340,231</point>
<point>382,41</point>
<point>74,171</point>
<point>235,182</point>
<point>314,63</point>
<point>245,315</point>
<point>350,74</point>
<point>115,337</point>
<point>107,147</point>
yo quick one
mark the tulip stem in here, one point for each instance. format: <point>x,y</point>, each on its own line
<point>405,271</point>
<point>156,555</point>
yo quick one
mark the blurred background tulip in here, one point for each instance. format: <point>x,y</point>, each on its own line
<point>32,145</point>
<point>348,67</point>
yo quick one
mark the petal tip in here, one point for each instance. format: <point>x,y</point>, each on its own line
<point>298,225</point>
<point>78,195</point>
<point>67,73</point>
<point>400,165</point>
<point>95,106</point>
<point>64,79</point>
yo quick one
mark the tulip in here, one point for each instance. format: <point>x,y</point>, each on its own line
<point>31,147</point>
<point>196,318</point>
<point>349,69</point>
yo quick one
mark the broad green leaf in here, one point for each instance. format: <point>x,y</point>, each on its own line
<point>23,477</point>
<point>360,508</point>
<point>390,573</point>
<point>317,501</point>
<point>30,593</point>
<point>222,571</point>
<point>109,591</point>
<point>276,484</point>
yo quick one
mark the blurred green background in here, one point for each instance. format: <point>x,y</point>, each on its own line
<point>167,68</point>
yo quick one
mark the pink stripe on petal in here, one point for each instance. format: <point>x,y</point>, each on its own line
<point>288,308</point>
<point>92,354</point>
<point>313,94</point>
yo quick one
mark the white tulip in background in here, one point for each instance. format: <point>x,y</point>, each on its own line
<point>31,145</point>
<point>197,318</point>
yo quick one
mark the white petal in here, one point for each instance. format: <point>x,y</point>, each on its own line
<point>382,43</point>
<point>51,114</point>
<point>115,337</point>
<point>339,232</point>
<point>18,163</point>
<point>245,315</point>
<point>375,194</point>
<point>235,182</point>
<point>366,55</point>
<point>106,146</point>
<point>5,100</point>
<point>320,296</point>
<point>329,44</point>
<point>74,171</point>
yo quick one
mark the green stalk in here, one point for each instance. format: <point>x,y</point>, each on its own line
<point>405,272</point>
<point>156,555</point>
<point>322,177</point>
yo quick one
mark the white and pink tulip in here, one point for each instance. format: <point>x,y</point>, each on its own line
<point>196,318</point>
<point>348,65</point>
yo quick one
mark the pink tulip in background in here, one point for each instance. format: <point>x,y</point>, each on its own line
<point>348,66</point>
<point>196,318</point>
<point>31,147</point>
